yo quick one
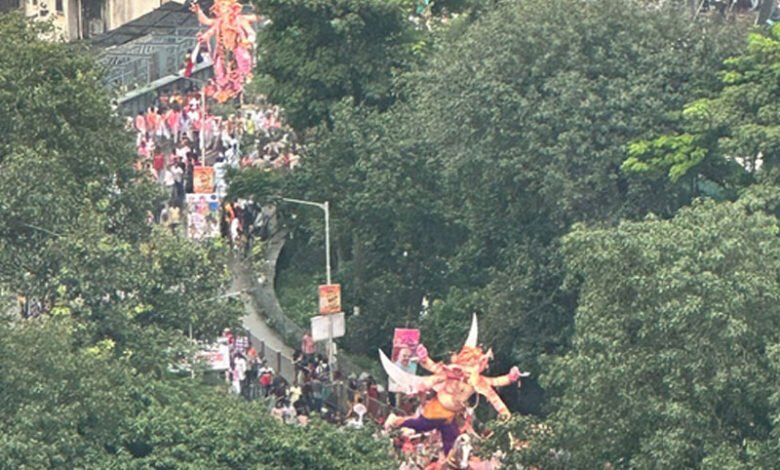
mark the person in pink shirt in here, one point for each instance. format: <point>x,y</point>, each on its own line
<point>144,148</point>
<point>140,124</point>
<point>307,347</point>
<point>172,118</point>
<point>151,120</point>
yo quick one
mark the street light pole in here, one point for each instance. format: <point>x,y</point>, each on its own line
<point>326,208</point>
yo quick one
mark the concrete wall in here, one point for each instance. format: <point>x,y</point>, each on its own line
<point>70,22</point>
<point>46,10</point>
<point>120,12</point>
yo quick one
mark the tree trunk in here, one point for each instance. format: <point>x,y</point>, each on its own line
<point>358,268</point>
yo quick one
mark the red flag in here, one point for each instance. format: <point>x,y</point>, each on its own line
<point>191,61</point>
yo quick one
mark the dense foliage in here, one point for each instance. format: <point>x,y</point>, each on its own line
<point>73,231</point>
<point>85,408</point>
<point>315,53</point>
<point>87,382</point>
<point>538,163</point>
<point>676,329</point>
<point>508,134</point>
<point>723,141</point>
<point>650,323</point>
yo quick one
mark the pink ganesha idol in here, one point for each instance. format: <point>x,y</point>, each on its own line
<point>234,38</point>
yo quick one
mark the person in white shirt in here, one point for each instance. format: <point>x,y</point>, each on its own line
<point>359,410</point>
<point>182,151</point>
<point>241,366</point>
<point>235,230</point>
<point>167,177</point>
<point>289,414</point>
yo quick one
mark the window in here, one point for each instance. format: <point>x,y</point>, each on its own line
<point>8,5</point>
<point>58,6</point>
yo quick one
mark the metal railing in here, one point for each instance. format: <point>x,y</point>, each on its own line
<point>146,59</point>
<point>282,364</point>
<point>337,394</point>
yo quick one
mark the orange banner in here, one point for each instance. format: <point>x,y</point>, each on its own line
<point>330,299</point>
<point>203,179</point>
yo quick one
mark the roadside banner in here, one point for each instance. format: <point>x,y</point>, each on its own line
<point>330,299</point>
<point>202,179</point>
<point>405,341</point>
<point>217,356</point>
<point>202,216</point>
<point>321,326</point>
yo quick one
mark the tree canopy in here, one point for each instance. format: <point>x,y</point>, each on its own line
<point>676,331</point>
<point>314,53</point>
<point>725,141</point>
<point>507,134</point>
<point>84,408</point>
<point>539,164</point>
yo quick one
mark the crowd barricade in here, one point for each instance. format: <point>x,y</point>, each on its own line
<point>336,395</point>
<point>282,365</point>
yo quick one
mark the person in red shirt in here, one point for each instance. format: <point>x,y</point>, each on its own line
<point>373,396</point>
<point>158,163</point>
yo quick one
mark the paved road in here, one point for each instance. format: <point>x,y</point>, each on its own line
<point>262,306</point>
<point>260,330</point>
<point>265,318</point>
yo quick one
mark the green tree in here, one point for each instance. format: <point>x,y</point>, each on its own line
<point>535,109</point>
<point>726,141</point>
<point>315,53</point>
<point>73,231</point>
<point>63,153</point>
<point>85,408</point>
<point>676,322</point>
<point>528,116</point>
<point>512,131</point>
<point>63,150</point>
<point>390,237</point>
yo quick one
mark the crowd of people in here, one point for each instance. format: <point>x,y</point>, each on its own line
<point>174,137</point>
<point>354,402</point>
<point>249,374</point>
<point>310,391</point>
<point>178,128</point>
<point>178,133</point>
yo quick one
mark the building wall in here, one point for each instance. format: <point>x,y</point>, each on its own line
<point>49,10</point>
<point>79,19</point>
<point>121,11</point>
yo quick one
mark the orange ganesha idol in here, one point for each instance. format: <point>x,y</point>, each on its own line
<point>454,384</point>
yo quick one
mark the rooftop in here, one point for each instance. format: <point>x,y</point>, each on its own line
<point>166,20</point>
